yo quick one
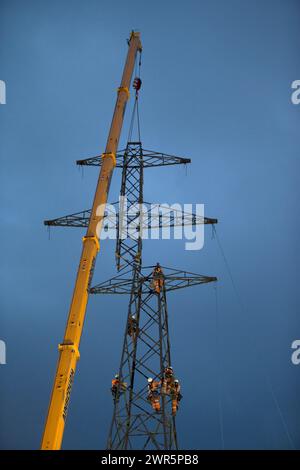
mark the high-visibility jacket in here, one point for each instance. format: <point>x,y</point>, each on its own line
<point>115,382</point>
<point>153,386</point>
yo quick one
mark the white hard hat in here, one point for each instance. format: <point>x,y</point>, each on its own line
<point>116,376</point>
<point>150,379</point>
<point>176,380</point>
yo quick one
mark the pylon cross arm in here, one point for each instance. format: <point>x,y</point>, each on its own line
<point>150,158</point>
<point>173,280</point>
<point>150,217</point>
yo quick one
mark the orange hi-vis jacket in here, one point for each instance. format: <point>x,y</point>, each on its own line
<point>153,386</point>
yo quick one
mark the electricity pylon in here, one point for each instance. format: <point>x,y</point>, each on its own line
<point>146,344</point>
<point>146,352</point>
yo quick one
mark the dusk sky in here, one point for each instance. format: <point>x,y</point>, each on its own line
<point>217,89</point>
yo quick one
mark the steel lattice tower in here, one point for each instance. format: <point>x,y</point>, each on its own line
<point>134,424</point>
<point>147,351</point>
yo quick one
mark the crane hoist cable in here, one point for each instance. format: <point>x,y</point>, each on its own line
<point>137,83</point>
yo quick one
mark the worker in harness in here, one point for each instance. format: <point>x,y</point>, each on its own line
<point>132,328</point>
<point>167,380</point>
<point>153,394</point>
<point>117,387</point>
<point>175,396</point>
<point>158,278</point>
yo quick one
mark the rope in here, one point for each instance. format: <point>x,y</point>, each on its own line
<point>220,407</point>
<point>283,421</point>
<point>135,110</point>
<point>132,120</point>
<point>135,113</point>
<point>216,236</point>
<point>138,119</point>
<point>267,378</point>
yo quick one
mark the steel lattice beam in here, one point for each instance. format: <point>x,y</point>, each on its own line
<point>174,279</point>
<point>146,353</point>
<point>135,425</point>
<point>160,216</point>
<point>150,159</point>
<point>129,249</point>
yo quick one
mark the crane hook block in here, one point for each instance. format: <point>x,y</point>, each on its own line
<point>137,83</point>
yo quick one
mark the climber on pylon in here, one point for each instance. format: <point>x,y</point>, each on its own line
<point>154,394</point>
<point>117,387</point>
<point>158,278</point>
<point>175,396</point>
<point>167,380</point>
<point>132,328</point>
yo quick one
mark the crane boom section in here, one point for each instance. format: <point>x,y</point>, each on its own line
<point>69,348</point>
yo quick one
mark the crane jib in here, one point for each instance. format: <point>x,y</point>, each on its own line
<point>69,348</point>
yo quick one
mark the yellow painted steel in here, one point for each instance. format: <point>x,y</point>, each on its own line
<point>110,155</point>
<point>124,88</point>
<point>69,348</point>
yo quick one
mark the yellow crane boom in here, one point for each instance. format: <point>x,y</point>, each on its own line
<point>69,348</point>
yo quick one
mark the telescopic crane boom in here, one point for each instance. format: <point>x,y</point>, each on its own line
<point>69,348</point>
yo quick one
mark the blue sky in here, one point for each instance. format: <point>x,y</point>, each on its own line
<point>216,88</point>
